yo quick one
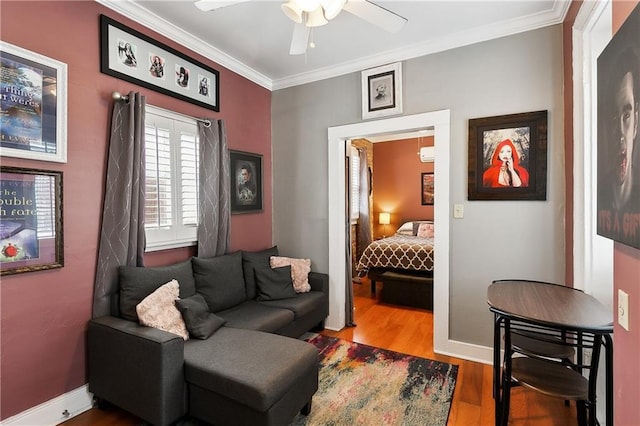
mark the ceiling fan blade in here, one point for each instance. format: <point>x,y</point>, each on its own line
<point>207,5</point>
<point>377,15</point>
<point>299,40</point>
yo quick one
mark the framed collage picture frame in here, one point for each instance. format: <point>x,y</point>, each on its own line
<point>30,220</point>
<point>246,182</point>
<point>134,57</point>
<point>33,123</point>
<point>382,91</point>
<point>508,157</point>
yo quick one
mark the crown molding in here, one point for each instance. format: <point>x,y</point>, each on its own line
<point>134,11</point>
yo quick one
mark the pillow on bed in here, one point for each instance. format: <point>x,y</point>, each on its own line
<point>417,223</point>
<point>405,229</point>
<point>425,230</point>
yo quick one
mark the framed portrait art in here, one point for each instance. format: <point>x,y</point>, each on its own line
<point>134,57</point>
<point>618,149</point>
<point>246,182</point>
<point>30,220</point>
<point>508,157</point>
<point>427,189</point>
<point>382,91</point>
<point>33,105</point>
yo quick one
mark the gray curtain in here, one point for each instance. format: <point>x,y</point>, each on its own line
<point>122,234</point>
<point>215,190</point>
<point>364,237</point>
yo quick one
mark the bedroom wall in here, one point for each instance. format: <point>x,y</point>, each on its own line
<point>44,314</point>
<point>397,182</point>
<point>495,239</point>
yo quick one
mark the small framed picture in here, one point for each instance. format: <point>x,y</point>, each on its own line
<point>508,157</point>
<point>246,182</point>
<point>30,220</point>
<point>382,91</point>
<point>427,189</point>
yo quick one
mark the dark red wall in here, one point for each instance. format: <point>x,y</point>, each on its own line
<point>44,314</point>
<point>626,277</point>
<point>397,182</point>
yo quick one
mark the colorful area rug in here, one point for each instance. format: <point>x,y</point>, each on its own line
<point>364,385</point>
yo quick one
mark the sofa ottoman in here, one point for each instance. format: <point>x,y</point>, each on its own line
<point>248,377</point>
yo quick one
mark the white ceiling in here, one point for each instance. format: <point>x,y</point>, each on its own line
<point>253,38</point>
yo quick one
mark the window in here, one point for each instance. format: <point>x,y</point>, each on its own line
<point>354,205</point>
<point>171,183</point>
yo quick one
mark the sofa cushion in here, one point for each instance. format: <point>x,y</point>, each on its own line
<point>251,260</point>
<point>252,315</point>
<point>274,283</point>
<point>269,366</point>
<point>158,310</point>
<point>220,280</point>
<point>303,304</point>
<point>136,283</point>
<point>199,321</point>
<point>300,269</point>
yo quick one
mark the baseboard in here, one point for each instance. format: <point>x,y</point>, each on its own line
<point>467,351</point>
<point>56,410</point>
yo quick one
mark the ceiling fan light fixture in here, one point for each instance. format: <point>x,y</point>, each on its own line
<point>332,7</point>
<point>307,5</point>
<point>316,18</point>
<point>293,11</point>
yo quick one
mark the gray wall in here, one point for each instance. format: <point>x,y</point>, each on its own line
<point>495,239</point>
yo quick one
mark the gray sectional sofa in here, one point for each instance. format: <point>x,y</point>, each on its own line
<point>242,364</point>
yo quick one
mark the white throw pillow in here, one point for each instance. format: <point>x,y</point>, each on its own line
<point>300,269</point>
<point>158,310</point>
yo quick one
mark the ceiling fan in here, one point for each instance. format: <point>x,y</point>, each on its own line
<point>313,13</point>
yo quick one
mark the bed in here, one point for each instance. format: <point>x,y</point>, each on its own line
<point>409,250</point>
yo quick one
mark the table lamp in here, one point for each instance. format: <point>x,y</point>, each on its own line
<point>384,219</point>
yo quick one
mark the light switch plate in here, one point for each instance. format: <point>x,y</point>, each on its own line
<point>458,211</point>
<point>623,309</point>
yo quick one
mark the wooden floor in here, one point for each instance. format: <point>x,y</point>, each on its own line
<point>410,331</point>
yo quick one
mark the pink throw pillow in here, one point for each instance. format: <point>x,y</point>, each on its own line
<point>300,269</point>
<point>425,230</point>
<point>158,310</point>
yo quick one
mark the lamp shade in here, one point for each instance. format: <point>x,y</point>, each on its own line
<point>332,7</point>
<point>316,18</point>
<point>384,219</point>
<point>293,11</point>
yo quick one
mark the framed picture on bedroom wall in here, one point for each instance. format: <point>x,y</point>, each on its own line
<point>427,189</point>
<point>508,157</point>
<point>246,182</point>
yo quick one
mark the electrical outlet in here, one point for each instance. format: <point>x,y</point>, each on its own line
<point>623,309</point>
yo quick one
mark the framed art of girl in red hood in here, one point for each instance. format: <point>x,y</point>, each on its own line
<point>508,157</point>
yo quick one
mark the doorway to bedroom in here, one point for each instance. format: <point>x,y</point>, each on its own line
<point>438,123</point>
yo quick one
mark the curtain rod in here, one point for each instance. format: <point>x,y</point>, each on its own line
<point>117,96</point>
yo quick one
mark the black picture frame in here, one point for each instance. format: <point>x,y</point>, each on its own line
<point>245,197</point>
<point>427,189</point>
<point>134,57</point>
<point>525,178</point>
<point>30,220</point>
